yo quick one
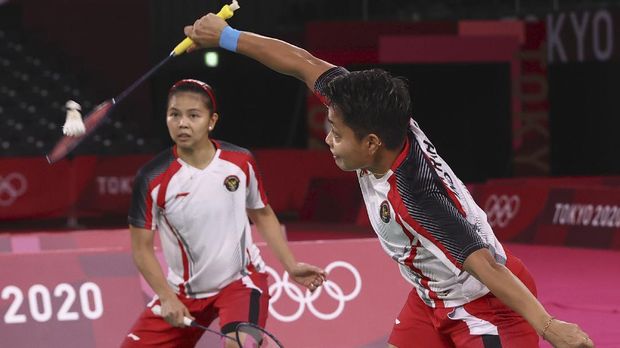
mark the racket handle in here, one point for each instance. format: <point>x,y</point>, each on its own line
<point>182,46</point>
<point>226,12</point>
<point>156,309</point>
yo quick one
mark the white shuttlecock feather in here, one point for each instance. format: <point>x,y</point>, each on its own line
<point>234,5</point>
<point>74,126</point>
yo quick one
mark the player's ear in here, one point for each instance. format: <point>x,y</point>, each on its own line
<point>213,120</point>
<point>374,143</point>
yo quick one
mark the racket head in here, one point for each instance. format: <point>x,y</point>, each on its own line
<point>67,143</point>
<point>249,335</point>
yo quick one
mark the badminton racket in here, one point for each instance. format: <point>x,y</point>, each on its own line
<point>253,336</point>
<point>67,143</point>
<point>156,309</point>
<point>247,335</point>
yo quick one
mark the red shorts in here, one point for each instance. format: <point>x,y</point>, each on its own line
<point>482,323</point>
<point>233,304</point>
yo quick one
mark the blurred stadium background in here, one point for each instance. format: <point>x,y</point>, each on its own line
<point>520,97</point>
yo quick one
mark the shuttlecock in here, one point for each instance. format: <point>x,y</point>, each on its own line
<point>73,126</point>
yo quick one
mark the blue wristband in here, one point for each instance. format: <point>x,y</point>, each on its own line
<point>229,38</point>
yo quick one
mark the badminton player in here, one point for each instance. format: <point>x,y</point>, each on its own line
<point>199,195</point>
<point>468,290</point>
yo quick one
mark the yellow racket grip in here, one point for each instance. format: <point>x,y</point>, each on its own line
<point>225,13</point>
<point>182,47</point>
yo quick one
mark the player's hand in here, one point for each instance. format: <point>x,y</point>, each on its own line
<point>173,311</point>
<point>567,335</point>
<point>206,31</point>
<point>308,275</point>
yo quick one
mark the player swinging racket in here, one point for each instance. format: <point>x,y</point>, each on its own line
<point>199,195</point>
<point>468,290</point>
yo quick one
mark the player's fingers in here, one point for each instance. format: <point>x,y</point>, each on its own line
<point>188,314</point>
<point>170,319</point>
<point>318,281</point>
<point>188,30</point>
<point>175,317</point>
<point>179,319</point>
<point>192,48</point>
<point>323,274</point>
<point>318,270</point>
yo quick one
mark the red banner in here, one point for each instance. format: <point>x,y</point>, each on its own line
<point>32,188</point>
<point>531,132</point>
<point>109,190</point>
<point>565,211</point>
<point>25,188</point>
<point>102,186</point>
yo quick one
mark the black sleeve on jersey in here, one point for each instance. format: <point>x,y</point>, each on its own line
<point>323,80</point>
<point>137,209</point>
<point>427,201</point>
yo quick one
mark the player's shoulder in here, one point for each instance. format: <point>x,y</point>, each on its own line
<point>236,155</point>
<point>157,165</point>
<point>232,149</point>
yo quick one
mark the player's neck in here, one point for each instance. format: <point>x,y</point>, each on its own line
<point>384,159</point>
<point>198,156</point>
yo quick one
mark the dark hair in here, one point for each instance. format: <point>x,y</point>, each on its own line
<point>195,86</point>
<point>372,101</point>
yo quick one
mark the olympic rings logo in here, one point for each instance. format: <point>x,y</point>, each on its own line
<point>11,187</point>
<point>501,209</point>
<point>306,299</point>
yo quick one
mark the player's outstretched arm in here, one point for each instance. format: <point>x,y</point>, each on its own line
<point>281,56</point>
<point>172,310</point>
<point>514,294</point>
<point>268,226</point>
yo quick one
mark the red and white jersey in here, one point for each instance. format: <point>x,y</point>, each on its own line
<point>201,217</point>
<point>426,220</point>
